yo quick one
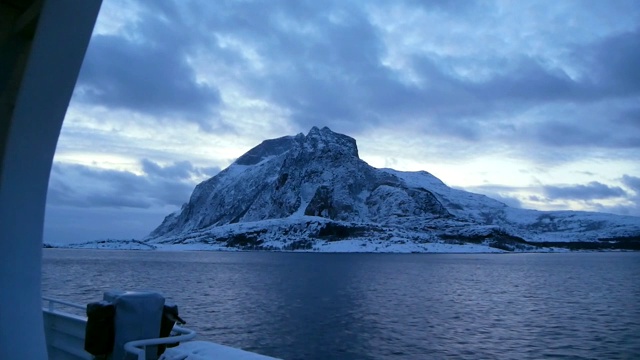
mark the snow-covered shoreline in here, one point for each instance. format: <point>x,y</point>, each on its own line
<point>343,246</point>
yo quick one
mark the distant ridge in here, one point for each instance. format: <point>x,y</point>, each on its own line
<point>313,192</point>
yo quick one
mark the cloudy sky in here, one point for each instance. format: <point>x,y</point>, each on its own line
<point>535,103</point>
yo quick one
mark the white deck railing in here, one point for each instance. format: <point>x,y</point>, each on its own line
<point>138,347</point>
<point>64,331</point>
<point>51,303</point>
<point>65,334</point>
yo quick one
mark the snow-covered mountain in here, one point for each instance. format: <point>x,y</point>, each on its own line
<point>313,192</point>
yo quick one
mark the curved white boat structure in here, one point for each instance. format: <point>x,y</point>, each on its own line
<point>42,45</point>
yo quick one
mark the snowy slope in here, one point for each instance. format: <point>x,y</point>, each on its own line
<point>313,192</point>
<point>532,225</point>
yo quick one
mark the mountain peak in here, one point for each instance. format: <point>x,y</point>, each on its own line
<point>317,131</point>
<point>326,140</point>
<point>316,141</point>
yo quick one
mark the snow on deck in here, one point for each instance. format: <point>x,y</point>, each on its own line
<point>204,350</point>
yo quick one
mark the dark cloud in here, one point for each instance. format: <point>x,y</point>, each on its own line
<point>66,224</point>
<point>586,126</point>
<point>335,76</point>
<point>562,134</point>
<point>632,207</point>
<point>588,194</point>
<point>111,199</point>
<point>555,195</point>
<point>633,182</point>
<point>332,76</point>
<point>600,108</point>
<point>593,190</point>
<point>146,70</point>
<point>178,170</point>
<point>613,64</point>
<point>631,117</point>
<point>527,81</point>
<point>323,63</point>
<point>83,186</point>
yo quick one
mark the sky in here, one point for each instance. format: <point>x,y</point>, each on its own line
<point>534,103</point>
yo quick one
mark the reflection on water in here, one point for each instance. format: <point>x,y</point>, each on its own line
<point>380,306</point>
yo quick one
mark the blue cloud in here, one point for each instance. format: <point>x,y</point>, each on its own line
<point>146,70</point>
<point>633,182</point>
<point>84,186</point>
<point>322,62</point>
<point>592,191</point>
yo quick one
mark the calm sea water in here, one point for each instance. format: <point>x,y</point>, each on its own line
<point>380,306</point>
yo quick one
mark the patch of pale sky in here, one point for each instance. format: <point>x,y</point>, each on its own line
<point>453,38</point>
<point>209,70</point>
<point>119,139</point>
<point>533,29</point>
<point>244,48</point>
<point>491,165</point>
<point>116,15</point>
<point>255,119</point>
<point>100,161</point>
<point>299,26</point>
<point>128,137</point>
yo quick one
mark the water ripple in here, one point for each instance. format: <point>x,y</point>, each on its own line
<point>381,306</point>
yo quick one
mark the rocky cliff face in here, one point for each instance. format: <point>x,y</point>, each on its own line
<point>302,191</point>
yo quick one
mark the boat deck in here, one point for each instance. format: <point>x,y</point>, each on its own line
<point>65,335</point>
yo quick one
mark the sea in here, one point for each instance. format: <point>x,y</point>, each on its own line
<point>380,306</point>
